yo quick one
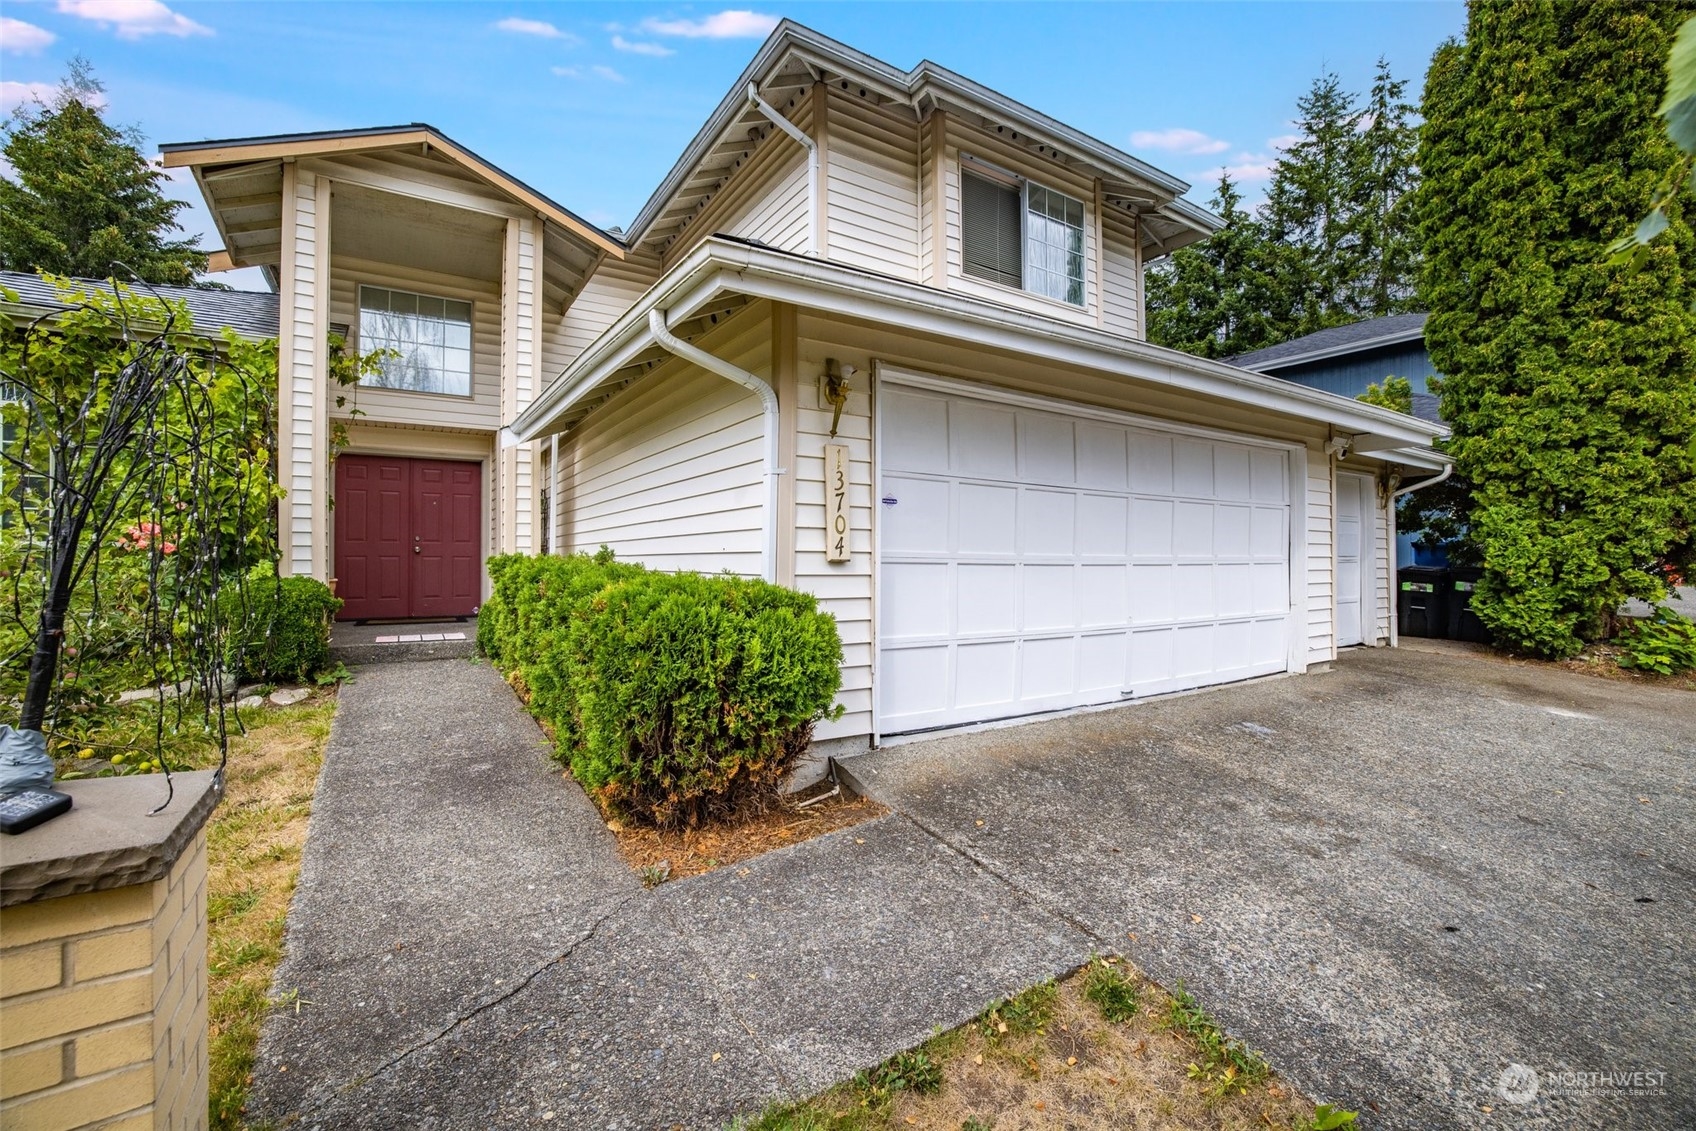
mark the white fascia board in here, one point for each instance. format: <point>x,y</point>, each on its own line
<point>1380,342</point>
<point>718,266</point>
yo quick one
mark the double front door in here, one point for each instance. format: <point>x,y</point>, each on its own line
<point>408,537</point>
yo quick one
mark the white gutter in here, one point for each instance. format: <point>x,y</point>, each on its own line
<point>1448,470</point>
<point>815,235</point>
<point>673,344</point>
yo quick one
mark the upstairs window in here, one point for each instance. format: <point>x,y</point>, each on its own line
<point>1023,235</point>
<point>430,340</point>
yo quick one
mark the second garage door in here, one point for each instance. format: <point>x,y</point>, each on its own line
<point>1033,559</point>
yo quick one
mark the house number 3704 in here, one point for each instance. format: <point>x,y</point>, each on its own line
<point>836,502</point>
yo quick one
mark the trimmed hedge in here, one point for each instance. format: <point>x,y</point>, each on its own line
<point>283,633</point>
<point>673,697</point>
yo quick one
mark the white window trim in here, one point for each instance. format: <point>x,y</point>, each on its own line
<point>990,171</point>
<point>357,338</point>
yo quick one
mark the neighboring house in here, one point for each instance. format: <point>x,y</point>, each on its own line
<point>878,335</point>
<point>251,314</point>
<point>1345,360</point>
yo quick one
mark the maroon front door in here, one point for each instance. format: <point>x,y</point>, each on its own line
<point>408,537</point>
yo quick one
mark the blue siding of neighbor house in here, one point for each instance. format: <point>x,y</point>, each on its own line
<point>1350,374</point>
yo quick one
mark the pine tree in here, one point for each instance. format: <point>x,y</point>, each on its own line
<point>85,201</point>
<point>1311,207</point>
<point>1570,384</point>
<point>1219,298</point>
<point>1383,259</point>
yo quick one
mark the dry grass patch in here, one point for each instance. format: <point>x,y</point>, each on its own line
<point>1102,1050</point>
<point>690,852</point>
<point>253,844</point>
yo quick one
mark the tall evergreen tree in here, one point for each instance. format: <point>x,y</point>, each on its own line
<point>1571,384</point>
<point>1383,259</point>
<point>1312,205</point>
<point>1219,298</point>
<point>85,200</point>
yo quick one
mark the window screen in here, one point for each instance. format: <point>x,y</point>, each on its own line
<point>989,224</point>
<point>430,340</point>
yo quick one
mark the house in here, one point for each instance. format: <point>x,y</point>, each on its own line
<point>877,335</point>
<point>1345,360</point>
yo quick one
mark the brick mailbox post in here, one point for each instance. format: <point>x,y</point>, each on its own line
<point>103,960</point>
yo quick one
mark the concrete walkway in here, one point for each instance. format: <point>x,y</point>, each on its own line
<point>467,950</point>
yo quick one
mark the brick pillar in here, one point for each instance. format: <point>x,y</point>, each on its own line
<point>103,961</point>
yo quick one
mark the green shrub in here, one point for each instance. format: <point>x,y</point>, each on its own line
<point>673,697</point>
<point>1112,991</point>
<point>279,627</point>
<point>1664,643</point>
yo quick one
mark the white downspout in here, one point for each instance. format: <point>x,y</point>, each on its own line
<point>768,405</point>
<point>815,238</point>
<point>1395,610</point>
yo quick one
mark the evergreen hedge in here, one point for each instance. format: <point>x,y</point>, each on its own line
<point>673,697</point>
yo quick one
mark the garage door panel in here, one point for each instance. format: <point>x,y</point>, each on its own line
<point>1046,668</point>
<point>981,441</point>
<point>1151,463</point>
<point>1101,456</point>
<point>1103,526</point>
<point>988,519</point>
<point>918,521</point>
<point>1062,561</point>
<point>1104,595</point>
<point>916,600</point>
<point>913,682</point>
<point>917,427</point>
<point>1151,528</point>
<point>987,598</point>
<point>1047,449</point>
<point>1049,594</point>
<point>1048,523</point>
<point>987,674</point>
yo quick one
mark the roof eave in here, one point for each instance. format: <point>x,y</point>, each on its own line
<point>1400,337</point>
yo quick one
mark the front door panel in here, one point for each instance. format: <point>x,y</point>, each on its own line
<point>407,537</point>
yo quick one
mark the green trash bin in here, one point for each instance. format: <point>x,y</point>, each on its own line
<point>1422,601</point>
<point>1463,622</point>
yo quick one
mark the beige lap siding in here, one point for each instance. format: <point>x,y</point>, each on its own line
<point>670,471</point>
<point>611,291</point>
<point>1121,268</point>
<point>872,162</point>
<point>394,406</point>
<point>1321,558</point>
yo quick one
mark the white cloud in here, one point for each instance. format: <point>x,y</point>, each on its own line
<point>19,38</point>
<point>1283,141</point>
<point>734,23</point>
<point>14,94</point>
<point>1178,140</point>
<point>637,47</point>
<point>134,19</point>
<point>1250,168</point>
<point>540,28</point>
<point>596,72</point>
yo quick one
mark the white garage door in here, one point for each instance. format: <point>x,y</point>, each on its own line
<point>1032,560</point>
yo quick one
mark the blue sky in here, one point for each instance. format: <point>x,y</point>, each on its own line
<point>592,102</point>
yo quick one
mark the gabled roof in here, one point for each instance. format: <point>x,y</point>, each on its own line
<point>251,314</point>
<point>1368,334</point>
<point>795,57</point>
<point>203,156</point>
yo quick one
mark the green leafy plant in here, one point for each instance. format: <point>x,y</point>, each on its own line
<point>280,627</point>
<point>1111,990</point>
<point>914,1071</point>
<point>1663,643</point>
<point>673,697</point>
<point>1027,1013</point>
<point>1226,1066</point>
<point>1328,1118</point>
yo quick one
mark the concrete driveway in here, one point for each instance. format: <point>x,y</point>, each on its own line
<point>1397,879</point>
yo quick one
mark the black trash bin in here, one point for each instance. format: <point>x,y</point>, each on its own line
<point>1463,622</point>
<point>1422,601</point>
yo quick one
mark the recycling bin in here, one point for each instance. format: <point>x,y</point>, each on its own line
<point>1463,623</point>
<point>1422,601</point>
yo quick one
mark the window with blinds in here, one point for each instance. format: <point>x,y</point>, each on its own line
<point>1027,236</point>
<point>990,229</point>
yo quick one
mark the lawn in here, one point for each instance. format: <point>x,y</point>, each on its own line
<point>254,842</point>
<point>1102,1050</point>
